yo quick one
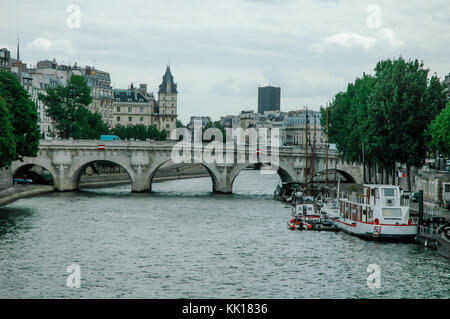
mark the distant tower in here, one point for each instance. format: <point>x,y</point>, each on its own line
<point>167,102</point>
<point>268,99</point>
<point>18,51</point>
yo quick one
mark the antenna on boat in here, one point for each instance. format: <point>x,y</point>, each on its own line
<point>313,149</point>
<point>306,145</point>
<point>326,153</point>
<point>338,187</point>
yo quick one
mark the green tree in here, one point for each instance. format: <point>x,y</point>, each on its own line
<point>7,142</point>
<point>67,106</point>
<point>139,132</point>
<point>386,115</point>
<point>439,130</point>
<point>179,124</point>
<point>23,115</point>
<point>402,104</point>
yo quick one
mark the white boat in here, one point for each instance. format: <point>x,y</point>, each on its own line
<point>306,210</point>
<point>330,209</point>
<point>378,213</point>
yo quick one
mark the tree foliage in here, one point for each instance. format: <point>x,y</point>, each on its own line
<point>68,107</point>
<point>215,124</point>
<point>386,114</point>
<point>23,117</point>
<point>179,124</point>
<point>439,130</point>
<point>7,142</point>
<point>139,132</point>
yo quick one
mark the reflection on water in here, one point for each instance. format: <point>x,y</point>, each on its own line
<point>183,241</point>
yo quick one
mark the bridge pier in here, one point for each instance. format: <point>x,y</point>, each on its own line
<point>139,185</point>
<point>223,187</point>
<point>221,177</point>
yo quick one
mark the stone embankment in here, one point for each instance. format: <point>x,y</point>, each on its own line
<point>23,191</point>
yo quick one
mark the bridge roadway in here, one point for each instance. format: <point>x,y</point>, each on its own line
<point>66,160</point>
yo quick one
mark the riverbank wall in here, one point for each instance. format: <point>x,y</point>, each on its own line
<point>23,191</point>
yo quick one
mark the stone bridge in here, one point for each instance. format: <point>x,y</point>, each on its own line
<point>67,159</point>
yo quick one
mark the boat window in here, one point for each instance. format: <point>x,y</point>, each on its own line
<point>389,192</point>
<point>392,212</point>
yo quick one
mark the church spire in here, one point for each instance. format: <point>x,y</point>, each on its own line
<point>18,51</point>
<point>168,83</point>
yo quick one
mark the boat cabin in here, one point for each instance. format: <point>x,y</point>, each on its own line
<point>378,204</point>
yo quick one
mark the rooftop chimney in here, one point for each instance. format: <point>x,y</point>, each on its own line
<point>143,89</point>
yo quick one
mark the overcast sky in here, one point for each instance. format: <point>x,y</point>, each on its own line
<point>221,51</point>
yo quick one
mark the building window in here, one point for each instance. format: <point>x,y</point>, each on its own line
<point>171,119</point>
<point>141,119</point>
<point>141,110</point>
<point>118,119</point>
<point>130,119</point>
<point>167,126</point>
<point>118,109</point>
<point>130,109</point>
<point>129,100</point>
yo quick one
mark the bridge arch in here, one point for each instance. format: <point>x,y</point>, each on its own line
<point>347,176</point>
<point>76,171</point>
<point>283,172</point>
<point>23,167</point>
<point>152,173</point>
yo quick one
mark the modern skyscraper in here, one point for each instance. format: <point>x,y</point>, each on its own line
<point>268,99</point>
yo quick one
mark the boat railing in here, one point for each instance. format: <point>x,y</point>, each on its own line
<point>359,198</point>
<point>404,201</point>
<point>414,220</point>
<point>428,232</point>
<point>435,212</point>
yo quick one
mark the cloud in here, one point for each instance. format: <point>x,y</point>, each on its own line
<point>351,40</point>
<point>384,37</point>
<point>220,51</point>
<point>52,46</point>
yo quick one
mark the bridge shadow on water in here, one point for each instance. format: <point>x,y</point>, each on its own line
<point>249,184</point>
<point>15,220</point>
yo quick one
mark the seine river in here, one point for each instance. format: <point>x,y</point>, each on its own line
<point>182,241</point>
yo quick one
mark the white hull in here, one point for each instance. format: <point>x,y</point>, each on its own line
<point>373,231</point>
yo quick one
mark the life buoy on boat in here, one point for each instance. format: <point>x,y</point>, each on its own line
<point>309,226</point>
<point>292,220</point>
<point>376,221</point>
<point>409,221</point>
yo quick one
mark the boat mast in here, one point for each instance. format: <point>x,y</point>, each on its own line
<point>306,145</point>
<point>326,153</point>
<point>313,148</point>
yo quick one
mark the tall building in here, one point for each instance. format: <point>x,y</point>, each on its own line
<point>294,128</point>
<point>167,102</point>
<point>5,60</point>
<point>137,106</point>
<point>268,99</point>
<point>48,74</point>
<point>447,85</point>
<point>101,91</point>
<point>133,106</point>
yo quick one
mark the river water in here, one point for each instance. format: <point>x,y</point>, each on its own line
<point>182,241</point>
